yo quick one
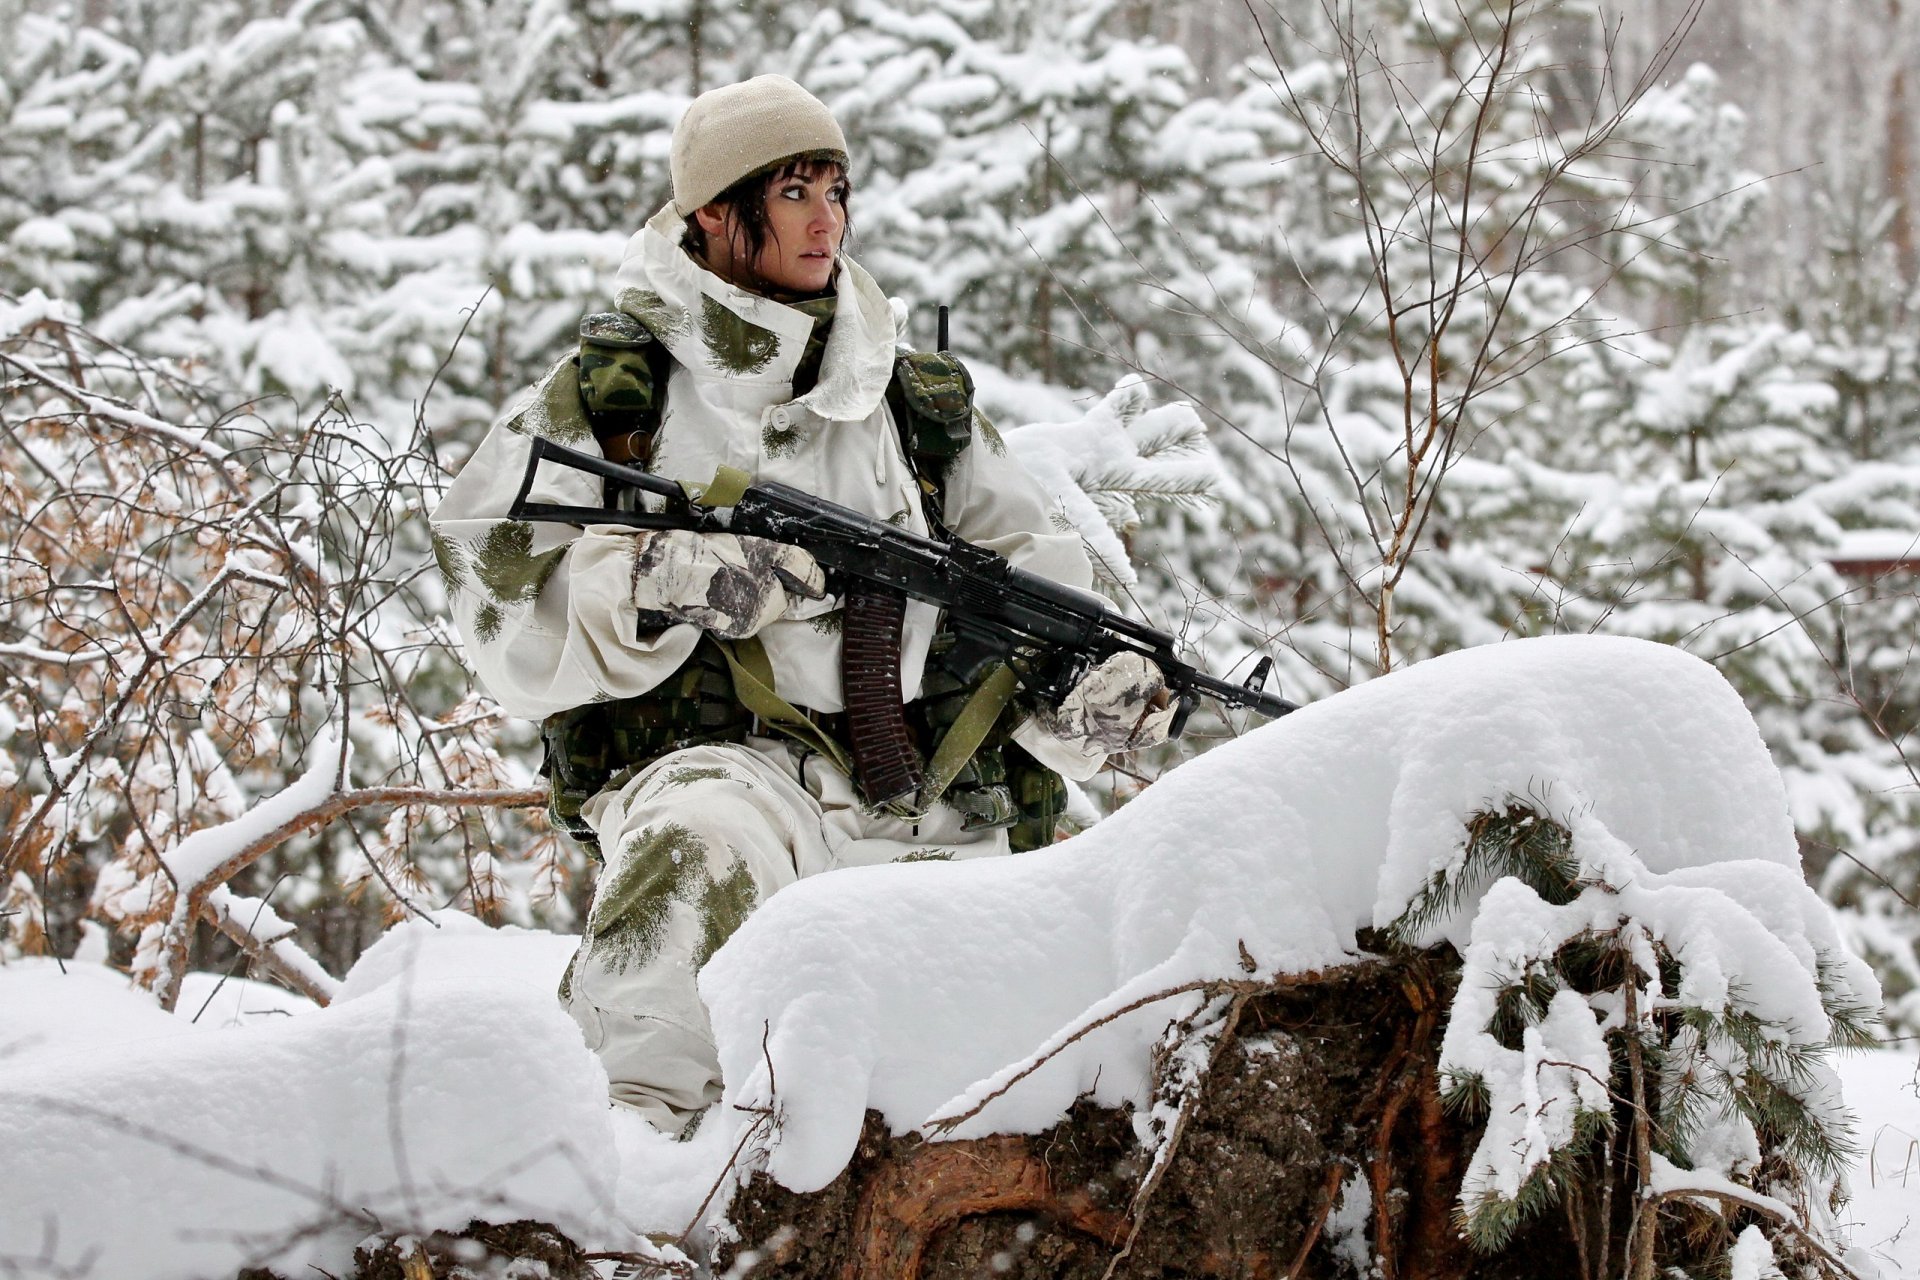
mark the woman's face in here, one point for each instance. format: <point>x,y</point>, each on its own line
<point>806,218</point>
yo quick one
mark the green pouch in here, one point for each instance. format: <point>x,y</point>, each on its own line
<point>1039,796</point>
<point>602,744</point>
<point>937,393</point>
<point>618,381</point>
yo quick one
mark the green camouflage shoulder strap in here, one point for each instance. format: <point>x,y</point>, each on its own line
<point>623,371</point>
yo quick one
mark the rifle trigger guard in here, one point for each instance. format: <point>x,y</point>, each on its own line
<point>1182,708</point>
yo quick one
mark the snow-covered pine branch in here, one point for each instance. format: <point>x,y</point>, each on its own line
<point>1123,455</point>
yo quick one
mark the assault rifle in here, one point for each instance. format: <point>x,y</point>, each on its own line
<point>1049,633</point>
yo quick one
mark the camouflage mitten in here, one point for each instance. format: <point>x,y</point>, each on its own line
<point>730,585</point>
<point>1120,705</point>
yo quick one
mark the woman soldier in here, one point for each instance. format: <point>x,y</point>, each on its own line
<point>744,337</point>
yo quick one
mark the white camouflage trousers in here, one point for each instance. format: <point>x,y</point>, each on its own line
<point>693,844</point>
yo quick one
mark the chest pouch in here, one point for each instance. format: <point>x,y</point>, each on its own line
<point>999,785</point>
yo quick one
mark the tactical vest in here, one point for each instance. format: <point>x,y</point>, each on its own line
<point>623,374</point>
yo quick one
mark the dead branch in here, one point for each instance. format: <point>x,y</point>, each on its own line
<point>268,956</point>
<point>178,954</point>
<point>1163,1159</point>
<point>938,1125</point>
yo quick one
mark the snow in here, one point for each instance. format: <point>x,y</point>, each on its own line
<point>1104,465</point>
<point>1752,1257</point>
<point>1873,545</point>
<point>445,1083</point>
<point>1669,1180</point>
<point>222,1001</point>
<point>1883,1216</point>
<point>19,315</point>
<point>54,1010</point>
<point>202,852</point>
<point>885,987</point>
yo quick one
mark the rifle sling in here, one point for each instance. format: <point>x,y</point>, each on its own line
<point>880,755</point>
<point>969,731</point>
<point>723,490</point>
<point>752,673</point>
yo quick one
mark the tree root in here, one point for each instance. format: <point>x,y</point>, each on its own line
<point>913,1198</point>
<point>1311,1080</point>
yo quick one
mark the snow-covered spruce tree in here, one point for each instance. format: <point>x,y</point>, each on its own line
<point>530,140</point>
<point>1013,159</point>
<point>1699,489</point>
<point>1858,309</point>
<point>1649,1059</point>
<point>1423,235</point>
<point>204,210</point>
<point>64,91</point>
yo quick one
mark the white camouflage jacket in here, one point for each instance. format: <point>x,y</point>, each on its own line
<point>546,609</point>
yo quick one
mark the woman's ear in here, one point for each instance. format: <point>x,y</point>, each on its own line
<point>713,220</point>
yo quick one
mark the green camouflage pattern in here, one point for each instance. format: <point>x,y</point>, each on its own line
<point>615,375</point>
<point>1039,796</point>
<point>487,621</point>
<point>784,442</point>
<point>555,411</point>
<point>821,311</point>
<point>613,329</point>
<point>453,567</point>
<point>601,744</point>
<point>663,319</point>
<point>996,443</point>
<point>937,392</point>
<point>1001,785</point>
<point>735,345</point>
<point>662,865</point>
<point>780,442</point>
<point>505,563</point>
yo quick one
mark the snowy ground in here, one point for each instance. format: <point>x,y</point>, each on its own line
<point>1883,1089</point>
<point>444,1083</point>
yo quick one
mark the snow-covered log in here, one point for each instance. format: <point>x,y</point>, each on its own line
<point>1570,859</point>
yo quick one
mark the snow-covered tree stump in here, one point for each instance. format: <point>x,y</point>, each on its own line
<point>1575,1020</point>
<point>1321,1102</point>
<point>1417,1113</point>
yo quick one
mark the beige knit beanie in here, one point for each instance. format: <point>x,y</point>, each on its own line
<point>729,133</point>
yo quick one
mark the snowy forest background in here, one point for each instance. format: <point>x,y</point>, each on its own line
<point>267,270</point>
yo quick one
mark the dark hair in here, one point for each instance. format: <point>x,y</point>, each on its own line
<point>746,200</point>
